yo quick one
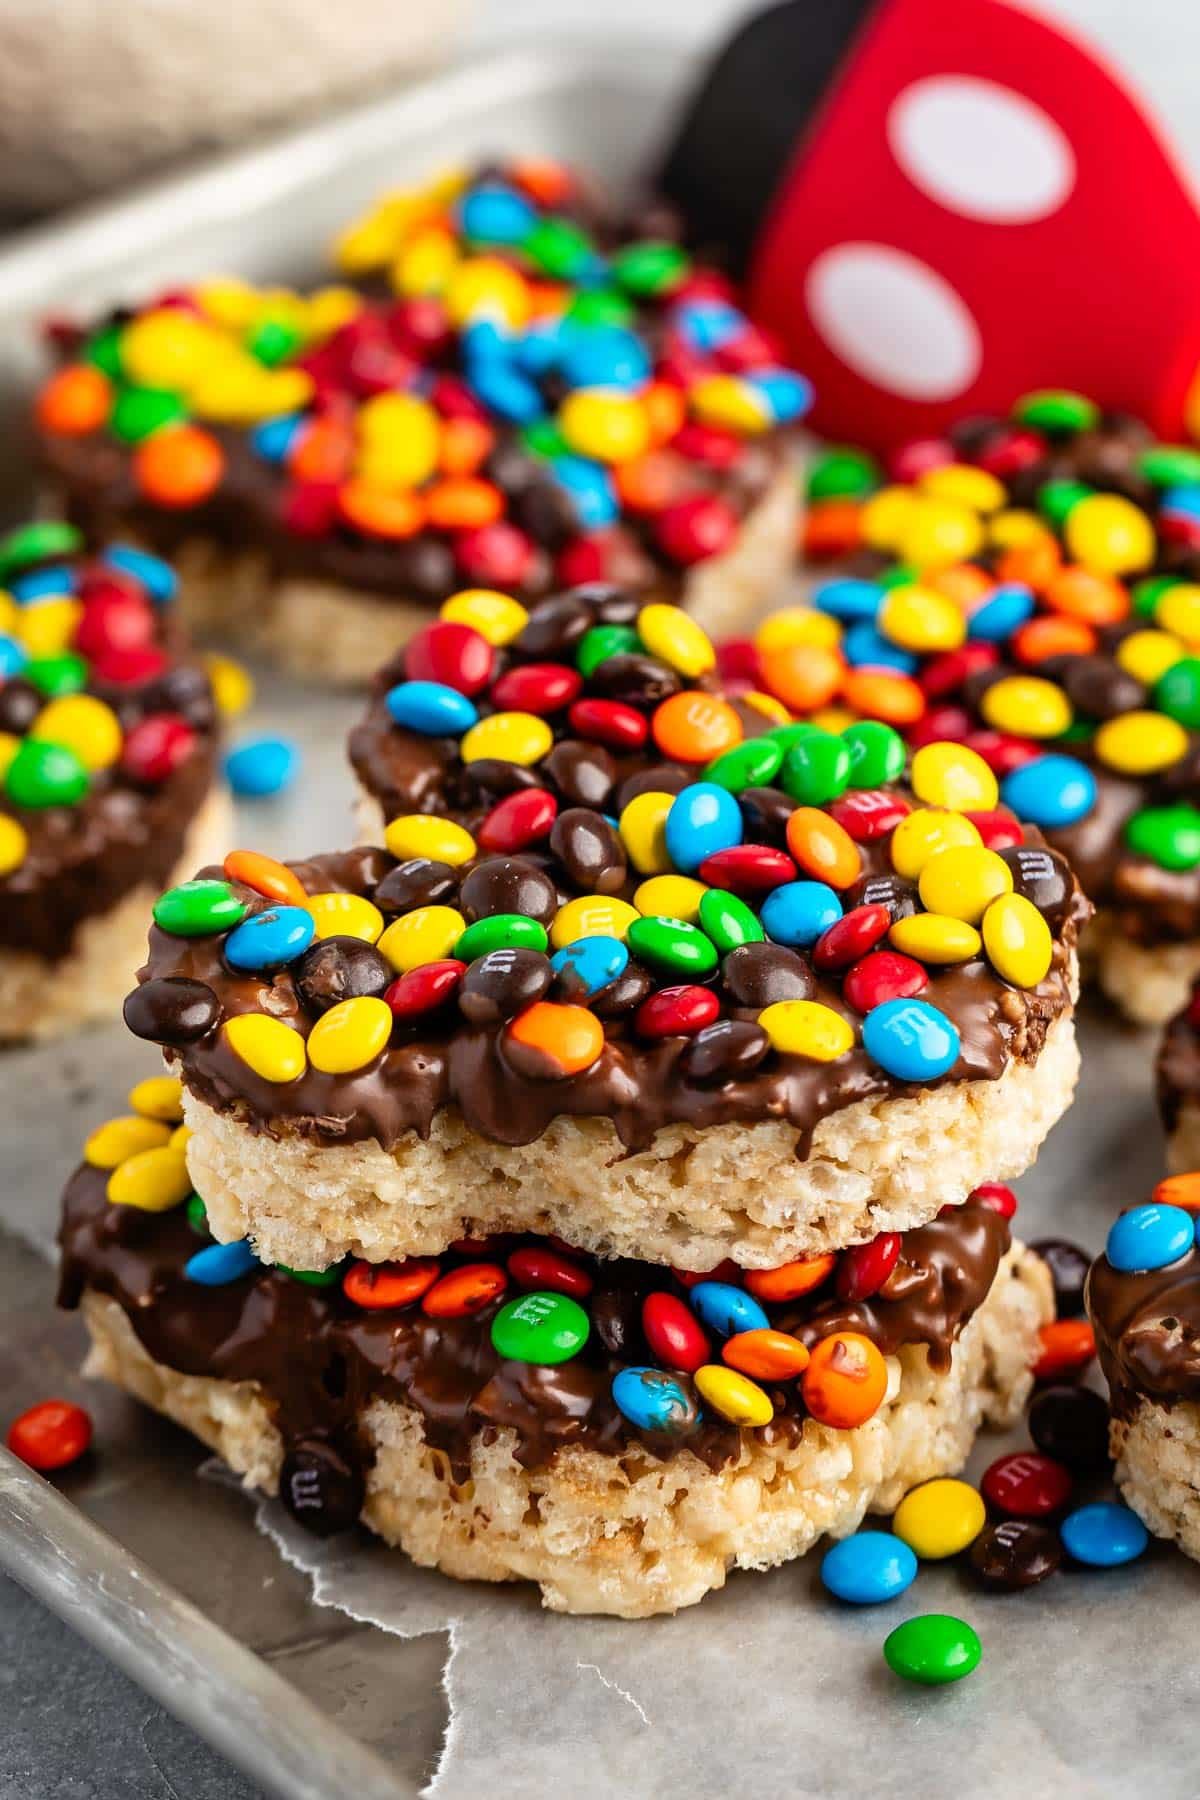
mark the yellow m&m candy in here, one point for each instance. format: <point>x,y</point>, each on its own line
<point>1017,940</point>
<point>14,842</point>
<point>118,1139</point>
<point>483,287</point>
<point>676,639</point>
<point>885,516</point>
<point>85,725</point>
<point>605,424</point>
<point>350,1035</point>
<point>806,1028</point>
<point>935,938</point>
<point>592,915</point>
<point>47,626</point>
<point>427,935</point>
<point>497,617</point>
<point>951,775</point>
<point>923,833</point>
<point>797,625</point>
<point>940,1518</point>
<point>1027,706</point>
<point>670,897</point>
<point>642,828</point>
<point>963,485</point>
<point>152,1180</point>
<point>1140,743</point>
<point>1109,535</point>
<point>938,533</point>
<point>158,1097</point>
<point>515,737</point>
<point>962,882</point>
<point>733,1395</point>
<point>921,619</point>
<point>1178,611</point>
<point>270,1048</point>
<point>418,834</point>
<point>346,915</point>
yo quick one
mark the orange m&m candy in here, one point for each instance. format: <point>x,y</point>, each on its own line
<point>666,409</point>
<point>1097,599</point>
<point>894,699</point>
<point>1034,564</point>
<point>694,727</point>
<point>75,401</point>
<point>463,503</point>
<point>765,1354</point>
<point>266,876</point>
<point>831,527</point>
<point>1052,635</point>
<point>804,676</point>
<point>845,1381</point>
<point>647,484</point>
<point>379,511</point>
<point>464,445</point>
<point>377,1286</point>
<point>1179,1190</point>
<point>322,453</point>
<point>465,1290</point>
<point>1064,1345</point>
<point>823,848</point>
<point>791,1279</point>
<point>551,1041</point>
<point>180,466</point>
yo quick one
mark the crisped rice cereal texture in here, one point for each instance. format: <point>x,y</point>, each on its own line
<point>629,1534</point>
<point>1158,1469</point>
<point>327,631</point>
<point>40,1000</point>
<point>691,1199</point>
<point>1149,982</point>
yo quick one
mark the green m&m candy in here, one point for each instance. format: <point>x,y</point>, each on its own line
<point>44,774</point>
<point>197,1215</point>
<point>671,945</point>
<point>599,306</point>
<point>816,769</point>
<point>877,753</point>
<point>558,248</point>
<point>501,931</point>
<point>103,351</point>
<point>139,412</point>
<point>1057,410</point>
<point>728,921</point>
<point>843,474</point>
<point>1170,465</point>
<point>33,542</point>
<point>64,673</point>
<point>754,763</point>
<point>933,1648</point>
<point>1149,591</point>
<point>316,1278</point>
<point>540,1328</point>
<point>650,267</point>
<point>272,341</point>
<point>1056,499</point>
<point>1177,693</point>
<point>1167,835</point>
<point>199,908</point>
<point>903,575</point>
<point>603,641</point>
<point>543,438</point>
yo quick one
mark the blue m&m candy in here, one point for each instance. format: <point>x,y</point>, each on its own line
<point>911,1039</point>
<point>1103,1535</point>
<point>497,215</point>
<point>848,599</point>
<point>865,648</point>
<point>604,356</point>
<point>261,767</point>
<point>591,489</point>
<point>590,963</point>
<point>13,657</point>
<point>431,707</point>
<point>504,390</point>
<point>156,576</point>
<point>268,940</point>
<point>40,583</point>
<point>1150,1237</point>
<point>273,439</point>
<point>1050,790</point>
<point>220,1263</point>
<point>704,818</point>
<point>870,1567</point>
<point>1004,611</point>
<point>652,1400</point>
<point>799,911</point>
<point>726,1309</point>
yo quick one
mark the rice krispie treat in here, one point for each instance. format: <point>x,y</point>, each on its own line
<point>635,963</point>
<point>521,391</point>
<point>107,752</point>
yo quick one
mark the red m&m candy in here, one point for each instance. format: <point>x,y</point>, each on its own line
<point>863,1269</point>
<point>50,1435</point>
<point>1026,1485</point>
<point>157,746</point>
<point>423,988</point>
<point>609,722</point>
<point>997,1196</point>
<point>748,869</point>
<point>883,975</point>
<point>945,674</point>
<point>538,1267</point>
<point>999,830</point>
<point>693,529</point>
<point>455,655</point>
<point>676,1011</point>
<point>868,813</point>
<point>519,819</point>
<point>539,688</point>
<point>674,1334</point>
<point>851,937</point>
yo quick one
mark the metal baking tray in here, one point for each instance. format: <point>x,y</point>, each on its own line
<point>168,1575</point>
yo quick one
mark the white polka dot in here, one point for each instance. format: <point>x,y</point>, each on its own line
<point>981,149</point>
<point>894,320</point>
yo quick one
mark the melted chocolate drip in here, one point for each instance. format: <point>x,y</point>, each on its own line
<point>1147,1331</point>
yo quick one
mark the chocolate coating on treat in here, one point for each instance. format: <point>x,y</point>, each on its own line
<point>126,832</point>
<point>1177,1068</point>
<point>1147,1327</point>
<point>320,1359</point>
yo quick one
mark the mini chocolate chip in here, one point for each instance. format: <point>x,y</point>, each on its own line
<point>634,679</point>
<point>725,1051</point>
<point>173,1010</point>
<point>1068,1266</point>
<point>892,891</point>
<point>508,884</point>
<point>759,974</point>
<point>1071,1425</point>
<point>621,996</point>
<point>1014,1554</point>
<point>766,811</point>
<point>661,778</point>
<point>1100,688</point>
<point>502,983</point>
<point>583,773</point>
<point>20,704</point>
<point>340,968</point>
<point>321,1488</point>
<point>417,882</point>
<point>589,850</point>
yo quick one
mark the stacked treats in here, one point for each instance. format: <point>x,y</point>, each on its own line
<point>107,752</point>
<point>600,1169</point>
<point>521,391</point>
<point>1031,586</point>
<point>1143,1296</point>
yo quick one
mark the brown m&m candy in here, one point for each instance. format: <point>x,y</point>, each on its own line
<point>1042,877</point>
<point>1015,1554</point>
<point>508,884</point>
<point>1068,1266</point>
<point>1071,1425</point>
<point>173,1011</point>
<point>757,975</point>
<point>502,983</point>
<point>340,968</point>
<point>321,1488</point>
